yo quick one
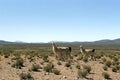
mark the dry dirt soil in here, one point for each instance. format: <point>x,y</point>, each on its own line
<point>7,72</point>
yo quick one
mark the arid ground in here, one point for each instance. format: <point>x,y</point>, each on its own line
<point>37,62</point>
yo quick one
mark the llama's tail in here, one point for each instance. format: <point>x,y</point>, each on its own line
<point>93,50</point>
<point>70,49</point>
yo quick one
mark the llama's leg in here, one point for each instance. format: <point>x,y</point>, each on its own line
<point>58,54</point>
<point>70,56</point>
<point>87,56</point>
<point>91,57</point>
<point>60,57</point>
<point>55,55</point>
<point>94,57</point>
<point>64,56</point>
<point>84,56</point>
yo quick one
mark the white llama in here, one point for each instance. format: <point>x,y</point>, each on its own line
<point>61,51</point>
<point>88,52</point>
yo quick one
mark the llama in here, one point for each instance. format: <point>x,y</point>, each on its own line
<point>61,51</point>
<point>88,52</point>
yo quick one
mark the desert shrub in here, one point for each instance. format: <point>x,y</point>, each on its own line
<point>19,63</point>
<point>46,60</point>
<point>16,55</point>
<point>71,67</point>
<point>61,58</point>
<point>98,55</point>
<point>105,68</point>
<point>117,63</point>
<point>7,52</point>
<point>113,63</point>
<point>85,59</point>
<point>6,55</point>
<point>26,76</point>
<point>75,54</point>
<point>82,73</point>
<point>108,63</point>
<point>35,67</point>
<point>78,66</point>
<point>80,57</point>
<point>87,68</point>
<point>67,64</point>
<point>105,75</point>
<point>44,57</point>
<point>102,54</point>
<point>111,56</point>
<point>104,60</point>
<point>115,59</point>
<point>114,69</point>
<point>49,67</point>
<point>117,67</point>
<point>59,63</point>
<point>55,71</point>
<point>108,54</point>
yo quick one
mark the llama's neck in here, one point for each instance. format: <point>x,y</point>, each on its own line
<point>82,50</point>
<point>54,46</point>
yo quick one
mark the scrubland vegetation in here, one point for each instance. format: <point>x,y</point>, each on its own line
<point>37,62</point>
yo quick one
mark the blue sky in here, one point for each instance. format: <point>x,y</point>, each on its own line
<point>59,20</point>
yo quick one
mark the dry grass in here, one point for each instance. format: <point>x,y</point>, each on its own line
<point>39,63</point>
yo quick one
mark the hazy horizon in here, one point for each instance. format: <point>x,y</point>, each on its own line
<point>56,41</point>
<point>59,20</point>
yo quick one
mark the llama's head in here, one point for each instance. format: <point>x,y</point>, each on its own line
<point>80,46</point>
<point>52,42</point>
<point>81,49</point>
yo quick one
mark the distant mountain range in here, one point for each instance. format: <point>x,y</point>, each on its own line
<point>107,41</point>
<point>9,42</point>
<point>104,42</point>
